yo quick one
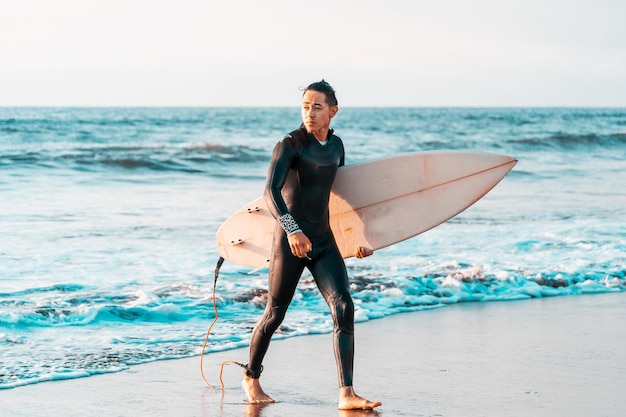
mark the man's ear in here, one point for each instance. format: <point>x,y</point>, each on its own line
<point>333,111</point>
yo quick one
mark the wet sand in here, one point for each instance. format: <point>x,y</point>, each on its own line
<point>562,356</point>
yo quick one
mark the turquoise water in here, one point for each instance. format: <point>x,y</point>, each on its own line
<point>108,219</point>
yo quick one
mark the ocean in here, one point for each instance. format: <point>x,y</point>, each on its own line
<point>108,219</point>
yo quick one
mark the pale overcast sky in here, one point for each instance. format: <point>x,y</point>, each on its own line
<point>257,53</point>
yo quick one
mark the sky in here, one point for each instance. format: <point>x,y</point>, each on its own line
<point>483,53</point>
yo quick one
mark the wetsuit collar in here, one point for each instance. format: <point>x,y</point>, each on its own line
<point>330,133</point>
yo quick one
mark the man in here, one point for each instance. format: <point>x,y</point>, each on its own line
<point>299,180</point>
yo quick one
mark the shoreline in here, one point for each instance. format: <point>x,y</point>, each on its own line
<point>560,356</point>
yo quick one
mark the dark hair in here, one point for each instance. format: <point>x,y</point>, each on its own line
<point>326,89</point>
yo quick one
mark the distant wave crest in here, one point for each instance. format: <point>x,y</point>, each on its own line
<point>567,141</point>
<point>192,158</point>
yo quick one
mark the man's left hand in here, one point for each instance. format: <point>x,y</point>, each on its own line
<point>363,252</point>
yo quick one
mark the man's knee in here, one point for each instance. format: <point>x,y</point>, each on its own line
<point>273,316</point>
<point>342,309</point>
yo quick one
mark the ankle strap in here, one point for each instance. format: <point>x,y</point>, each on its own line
<point>253,373</point>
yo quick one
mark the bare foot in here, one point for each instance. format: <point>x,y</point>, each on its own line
<point>254,392</point>
<point>348,400</point>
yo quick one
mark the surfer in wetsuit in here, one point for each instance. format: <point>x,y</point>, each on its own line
<point>300,176</point>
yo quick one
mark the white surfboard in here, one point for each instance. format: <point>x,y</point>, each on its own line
<point>377,203</point>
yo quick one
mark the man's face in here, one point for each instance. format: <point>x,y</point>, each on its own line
<point>316,113</point>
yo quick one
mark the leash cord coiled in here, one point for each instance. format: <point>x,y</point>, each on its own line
<point>206,339</point>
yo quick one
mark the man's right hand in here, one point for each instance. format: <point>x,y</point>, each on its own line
<point>300,244</point>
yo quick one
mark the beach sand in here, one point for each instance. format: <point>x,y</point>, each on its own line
<point>562,356</point>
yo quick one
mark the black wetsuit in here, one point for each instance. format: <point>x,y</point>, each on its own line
<point>299,180</point>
